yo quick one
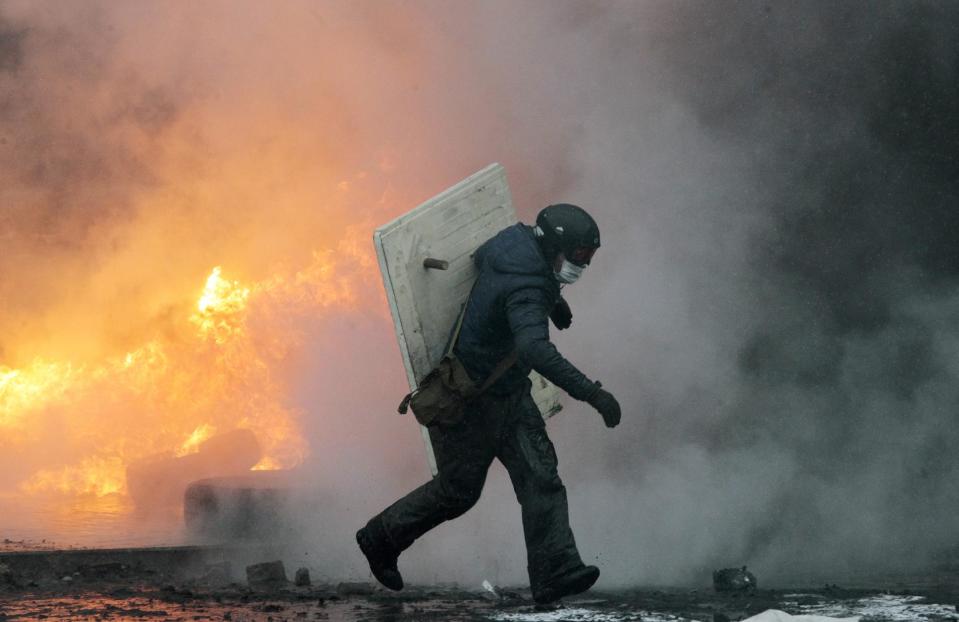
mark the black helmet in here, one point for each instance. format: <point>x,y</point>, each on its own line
<point>570,230</point>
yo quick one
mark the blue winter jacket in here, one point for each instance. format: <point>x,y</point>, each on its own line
<point>510,307</point>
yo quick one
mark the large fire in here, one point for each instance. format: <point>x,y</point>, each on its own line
<point>218,378</point>
<point>184,230</point>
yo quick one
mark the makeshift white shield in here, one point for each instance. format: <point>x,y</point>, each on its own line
<point>425,301</point>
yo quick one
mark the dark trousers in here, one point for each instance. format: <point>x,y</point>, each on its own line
<point>511,429</point>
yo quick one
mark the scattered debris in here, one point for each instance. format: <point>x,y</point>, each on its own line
<point>266,575</point>
<point>135,600</point>
<point>302,578</point>
<point>163,583</point>
<point>348,588</point>
<point>734,580</point>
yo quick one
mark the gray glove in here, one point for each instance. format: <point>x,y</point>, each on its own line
<point>604,402</point>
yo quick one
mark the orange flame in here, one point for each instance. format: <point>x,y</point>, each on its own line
<point>174,234</point>
<point>219,310</point>
<point>189,388</point>
<point>24,389</point>
<point>192,444</point>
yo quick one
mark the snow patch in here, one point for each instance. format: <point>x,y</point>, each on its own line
<point>887,607</point>
<point>578,614</point>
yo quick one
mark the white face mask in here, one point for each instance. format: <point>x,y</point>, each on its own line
<point>569,272</point>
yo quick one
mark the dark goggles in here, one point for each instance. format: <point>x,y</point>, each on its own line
<point>581,256</point>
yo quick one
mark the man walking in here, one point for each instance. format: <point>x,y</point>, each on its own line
<point>517,292</point>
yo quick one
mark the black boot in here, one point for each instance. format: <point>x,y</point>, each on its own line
<point>573,582</point>
<point>379,554</point>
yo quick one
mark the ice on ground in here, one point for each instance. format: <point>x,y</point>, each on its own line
<point>886,607</point>
<point>775,615</point>
<point>579,614</point>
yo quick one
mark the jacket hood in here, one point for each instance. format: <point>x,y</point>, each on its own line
<point>515,251</point>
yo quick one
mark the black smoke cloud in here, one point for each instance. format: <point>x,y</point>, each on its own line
<point>857,272</point>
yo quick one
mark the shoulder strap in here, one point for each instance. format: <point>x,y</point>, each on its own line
<point>499,370</point>
<point>455,335</point>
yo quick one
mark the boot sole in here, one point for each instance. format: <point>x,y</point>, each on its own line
<point>576,585</point>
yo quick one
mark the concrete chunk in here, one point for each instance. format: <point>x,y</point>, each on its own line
<point>250,505</point>
<point>6,575</point>
<point>266,575</point>
<point>302,578</point>
<point>733,580</point>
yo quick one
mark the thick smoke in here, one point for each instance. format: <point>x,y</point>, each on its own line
<point>774,301</point>
<point>817,440</point>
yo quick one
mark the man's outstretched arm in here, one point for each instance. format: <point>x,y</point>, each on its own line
<point>528,311</point>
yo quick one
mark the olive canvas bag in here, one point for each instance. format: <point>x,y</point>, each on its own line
<point>442,396</point>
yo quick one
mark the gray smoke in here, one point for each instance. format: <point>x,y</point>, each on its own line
<point>794,409</point>
<point>774,299</point>
<point>774,303</point>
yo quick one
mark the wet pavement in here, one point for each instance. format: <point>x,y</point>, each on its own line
<point>96,600</point>
<point>196,583</point>
<point>111,521</point>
